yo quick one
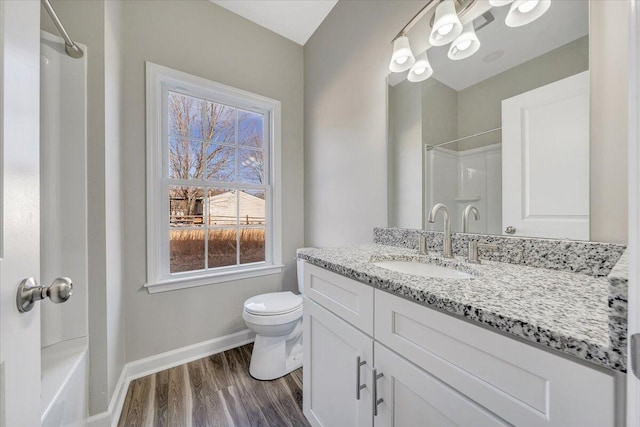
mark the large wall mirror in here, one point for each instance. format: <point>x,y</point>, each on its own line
<point>505,130</point>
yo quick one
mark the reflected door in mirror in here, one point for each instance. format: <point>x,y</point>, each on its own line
<point>545,158</point>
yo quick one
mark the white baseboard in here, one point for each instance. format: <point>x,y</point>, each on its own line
<point>160,362</point>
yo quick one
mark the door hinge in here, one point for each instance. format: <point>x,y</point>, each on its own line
<point>635,354</point>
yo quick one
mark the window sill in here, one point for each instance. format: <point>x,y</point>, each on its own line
<point>174,284</point>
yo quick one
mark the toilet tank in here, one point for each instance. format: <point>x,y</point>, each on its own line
<point>300,268</point>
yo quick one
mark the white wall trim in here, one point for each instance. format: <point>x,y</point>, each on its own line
<point>160,362</point>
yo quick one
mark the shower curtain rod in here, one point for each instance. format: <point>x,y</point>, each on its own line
<point>70,46</point>
<point>431,147</point>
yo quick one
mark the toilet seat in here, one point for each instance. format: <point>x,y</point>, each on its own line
<point>275,319</point>
<point>273,304</point>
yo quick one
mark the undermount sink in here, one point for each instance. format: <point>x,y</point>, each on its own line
<point>422,269</point>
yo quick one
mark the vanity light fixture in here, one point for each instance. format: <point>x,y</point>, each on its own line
<point>421,70</point>
<point>446,25</point>
<point>465,45</point>
<point>402,58</point>
<point>523,12</point>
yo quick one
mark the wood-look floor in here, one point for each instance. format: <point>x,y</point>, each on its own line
<point>214,391</point>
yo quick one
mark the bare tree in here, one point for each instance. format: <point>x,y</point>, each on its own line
<point>252,163</point>
<point>194,118</point>
<point>196,129</point>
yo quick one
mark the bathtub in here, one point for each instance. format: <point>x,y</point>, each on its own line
<point>65,383</point>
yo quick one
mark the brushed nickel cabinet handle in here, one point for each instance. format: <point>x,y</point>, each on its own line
<point>376,401</point>
<point>359,386</point>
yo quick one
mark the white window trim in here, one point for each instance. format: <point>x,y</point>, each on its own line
<point>157,247</point>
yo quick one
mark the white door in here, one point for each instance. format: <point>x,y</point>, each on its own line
<point>412,397</point>
<point>545,160</point>
<point>332,349</point>
<point>19,199</point>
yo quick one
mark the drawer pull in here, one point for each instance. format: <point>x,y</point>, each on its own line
<point>376,401</point>
<point>359,386</point>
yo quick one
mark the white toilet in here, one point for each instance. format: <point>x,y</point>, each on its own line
<point>276,318</point>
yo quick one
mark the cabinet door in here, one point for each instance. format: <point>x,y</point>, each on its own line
<point>521,384</point>
<point>411,397</point>
<point>331,372</point>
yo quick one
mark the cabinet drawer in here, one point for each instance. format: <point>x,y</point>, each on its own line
<point>349,299</point>
<point>521,384</point>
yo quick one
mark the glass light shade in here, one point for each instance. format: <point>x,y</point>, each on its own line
<point>523,12</point>
<point>421,70</point>
<point>498,3</point>
<point>446,25</point>
<point>402,58</point>
<point>465,45</point>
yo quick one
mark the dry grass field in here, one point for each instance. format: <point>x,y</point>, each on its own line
<point>187,248</point>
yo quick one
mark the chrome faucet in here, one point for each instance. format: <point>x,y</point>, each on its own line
<point>446,249</point>
<point>470,209</point>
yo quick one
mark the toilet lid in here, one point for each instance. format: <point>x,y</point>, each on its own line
<point>273,303</point>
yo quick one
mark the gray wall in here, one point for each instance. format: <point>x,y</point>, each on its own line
<point>608,67</point>
<point>203,39</point>
<point>439,106</point>
<point>405,156</point>
<point>345,108</point>
<point>97,25</point>
<point>345,167</point>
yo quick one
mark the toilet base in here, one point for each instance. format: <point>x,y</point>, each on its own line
<point>275,357</point>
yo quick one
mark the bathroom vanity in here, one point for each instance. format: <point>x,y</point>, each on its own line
<point>511,344</point>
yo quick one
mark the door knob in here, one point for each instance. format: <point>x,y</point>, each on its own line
<point>29,292</point>
<point>510,229</point>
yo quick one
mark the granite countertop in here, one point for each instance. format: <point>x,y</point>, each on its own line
<point>565,311</point>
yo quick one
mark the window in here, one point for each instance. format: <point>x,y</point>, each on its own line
<point>212,194</point>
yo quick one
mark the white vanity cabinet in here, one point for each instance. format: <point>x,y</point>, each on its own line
<point>436,370</point>
<point>338,354</point>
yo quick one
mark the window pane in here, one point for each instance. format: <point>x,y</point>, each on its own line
<point>250,128</point>
<point>186,206</point>
<point>250,166</point>
<point>223,207</point>
<point>221,163</point>
<point>219,122</point>
<point>187,158</point>
<point>252,207</point>
<point>222,247</point>
<point>252,245</point>
<point>186,248</point>
<point>185,115</point>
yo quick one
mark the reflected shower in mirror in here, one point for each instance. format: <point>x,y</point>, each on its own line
<point>505,129</point>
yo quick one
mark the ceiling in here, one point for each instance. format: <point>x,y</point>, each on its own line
<point>296,20</point>
<point>564,22</point>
